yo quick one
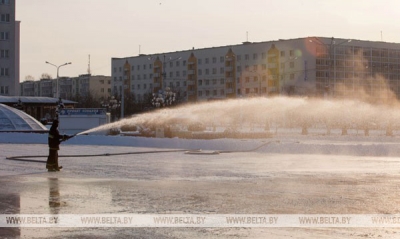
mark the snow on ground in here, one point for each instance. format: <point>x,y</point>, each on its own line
<point>288,174</point>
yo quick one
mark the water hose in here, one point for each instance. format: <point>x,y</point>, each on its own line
<point>28,158</point>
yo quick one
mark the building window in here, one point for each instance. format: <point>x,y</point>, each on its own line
<point>255,56</point>
<point>207,60</point>
<point>246,57</point>
<point>5,17</point>
<point>144,67</point>
<point>4,72</point>
<point>214,60</point>
<point>184,63</point>
<point>199,61</point>
<point>207,82</point>
<point>238,57</point>
<point>291,53</point>
<point>200,93</point>
<point>4,54</point>
<point>282,53</point>
<point>200,82</point>
<point>221,59</point>
<point>264,78</point>
<point>200,72</point>
<point>177,63</point>
<point>263,55</point>
<point>222,81</point>
<point>291,64</point>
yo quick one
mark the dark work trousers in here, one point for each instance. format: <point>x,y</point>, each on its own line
<point>52,159</point>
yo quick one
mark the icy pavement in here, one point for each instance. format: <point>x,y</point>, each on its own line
<point>292,175</point>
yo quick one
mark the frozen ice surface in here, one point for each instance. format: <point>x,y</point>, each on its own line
<point>289,175</point>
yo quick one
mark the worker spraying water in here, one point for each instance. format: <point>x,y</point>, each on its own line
<point>54,141</point>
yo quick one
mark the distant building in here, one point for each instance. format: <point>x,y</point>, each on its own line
<point>312,66</point>
<point>9,49</point>
<point>98,86</point>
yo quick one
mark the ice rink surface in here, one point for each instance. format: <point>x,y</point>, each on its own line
<point>126,175</point>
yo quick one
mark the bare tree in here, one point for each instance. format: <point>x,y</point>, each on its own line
<point>29,78</point>
<point>46,76</point>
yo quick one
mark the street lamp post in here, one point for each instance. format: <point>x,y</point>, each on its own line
<point>58,67</point>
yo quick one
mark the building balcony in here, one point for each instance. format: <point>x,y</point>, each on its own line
<point>191,82</point>
<point>229,91</point>
<point>272,65</point>
<point>228,79</point>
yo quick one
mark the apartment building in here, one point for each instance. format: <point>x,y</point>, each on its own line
<point>9,49</point>
<point>312,66</point>
<point>98,86</point>
<point>69,87</point>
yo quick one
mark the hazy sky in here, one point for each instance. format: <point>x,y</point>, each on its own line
<point>62,31</point>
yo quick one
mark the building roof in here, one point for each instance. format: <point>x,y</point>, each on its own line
<point>14,120</point>
<point>32,100</point>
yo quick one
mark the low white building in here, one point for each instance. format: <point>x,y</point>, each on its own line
<point>97,85</point>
